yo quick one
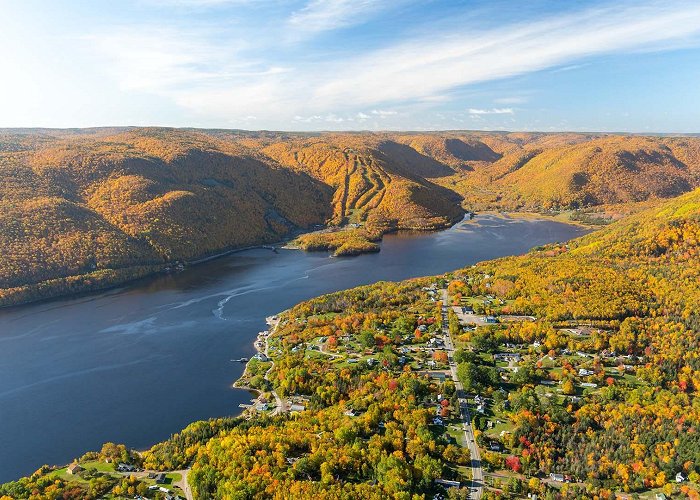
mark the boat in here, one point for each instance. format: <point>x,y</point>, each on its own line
<point>240,360</point>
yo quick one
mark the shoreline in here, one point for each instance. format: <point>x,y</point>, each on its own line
<point>280,244</point>
<point>540,216</point>
<point>261,345</point>
<point>161,268</point>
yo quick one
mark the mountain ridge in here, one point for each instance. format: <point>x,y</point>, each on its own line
<point>82,209</point>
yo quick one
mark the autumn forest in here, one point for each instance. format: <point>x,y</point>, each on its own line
<point>570,372</point>
<point>83,210</point>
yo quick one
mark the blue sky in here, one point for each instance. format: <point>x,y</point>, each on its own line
<point>352,64</point>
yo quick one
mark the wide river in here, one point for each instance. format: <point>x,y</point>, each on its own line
<point>134,365</point>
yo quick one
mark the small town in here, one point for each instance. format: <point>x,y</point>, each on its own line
<point>481,376</point>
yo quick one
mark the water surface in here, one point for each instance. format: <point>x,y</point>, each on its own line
<point>136,364</point>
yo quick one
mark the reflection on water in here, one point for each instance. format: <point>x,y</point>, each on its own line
<point>138,363</point>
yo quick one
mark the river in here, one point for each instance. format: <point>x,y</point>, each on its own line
<point>135,364</point>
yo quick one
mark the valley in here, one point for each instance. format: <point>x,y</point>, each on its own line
<point>90,209</point>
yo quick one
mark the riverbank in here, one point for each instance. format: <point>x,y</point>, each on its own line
<point>107,279</point>
<point>343,241</point>
<point>265,365</point>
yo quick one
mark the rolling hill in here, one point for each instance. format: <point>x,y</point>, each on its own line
<point>86,208</point>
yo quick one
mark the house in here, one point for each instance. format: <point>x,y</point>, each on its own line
<point>495,446</point>
<point>352,412</point>
<point>557,477</point>
<point>160,478</point>
<point>296,407</point>
<point>261,407</point>
<point>261,357</point>
<point>589,384</point>
<point>680,477</point>
<point>438,421</point>
<point>508,356</point>
<point>491,319</point>
<point>448,483</point>
<point>122,467</point>
<point>74,468</point>
<point>582,372</point>
<point>660,496</point>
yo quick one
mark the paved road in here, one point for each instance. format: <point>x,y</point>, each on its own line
<point>477,486</point>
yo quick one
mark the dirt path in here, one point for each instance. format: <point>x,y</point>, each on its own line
<point>184,484</point>
<point>281,406</point>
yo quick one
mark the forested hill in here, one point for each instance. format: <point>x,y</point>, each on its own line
<point>600,387</point>
<point>603,335</point>
<point>84,209</point>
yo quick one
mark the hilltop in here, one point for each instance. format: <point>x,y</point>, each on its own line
<point>85,209</point>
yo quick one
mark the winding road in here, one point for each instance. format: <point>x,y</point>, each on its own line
<point>280,405</point>
<point>477,486</point>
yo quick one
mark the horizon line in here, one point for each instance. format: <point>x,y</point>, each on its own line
<point>351,131</point>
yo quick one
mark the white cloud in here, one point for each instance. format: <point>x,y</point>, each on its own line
<point>383,113</point>
<point>492,111</point>
<point>424,67</point>
<point>569,67</point>
<point>225,77</point>
<point>325,15</point>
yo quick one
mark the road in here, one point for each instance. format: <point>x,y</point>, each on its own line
<point>477,486</point>
<point>183,484</point>
<point>280,405</point>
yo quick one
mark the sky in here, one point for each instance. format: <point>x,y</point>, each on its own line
<point>609,66</point>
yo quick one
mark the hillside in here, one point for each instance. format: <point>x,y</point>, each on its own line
<point>85,209</point>
<point>590,374</point>
<point>606,391</point>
